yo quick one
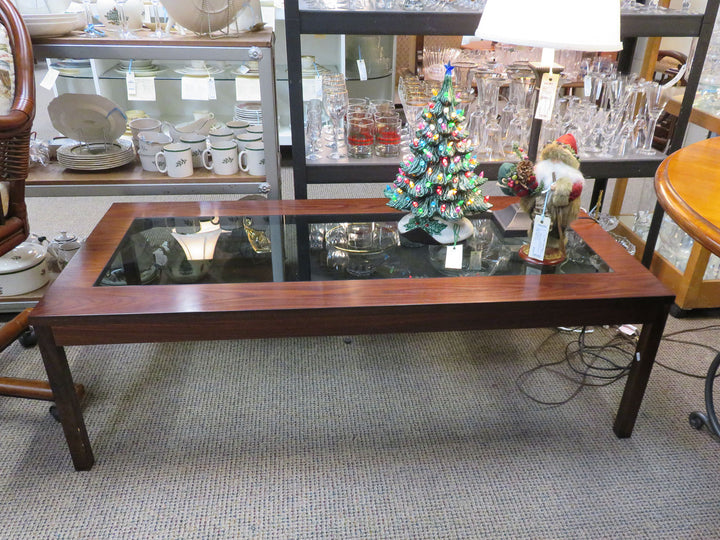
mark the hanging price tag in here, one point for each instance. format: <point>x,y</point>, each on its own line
<point>144,89</point>
<point>453,259</point>
<point>49,79</point>
<point>546,97</point>
<point>541,228</point>
<point>212,93</point>
<point>194,88</point>
<point>362,69</point>
<point>312,88</point>
<point>130,84</point>
<point>247,89</point>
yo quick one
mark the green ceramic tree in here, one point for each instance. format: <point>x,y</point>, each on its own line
<point>437,182</point>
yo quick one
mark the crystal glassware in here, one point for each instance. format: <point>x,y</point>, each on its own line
<point>124,32</point>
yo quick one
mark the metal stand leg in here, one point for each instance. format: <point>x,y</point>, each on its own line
<point>698,419</point>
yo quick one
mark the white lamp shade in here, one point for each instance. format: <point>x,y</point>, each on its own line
<point>578,25</point>
<point>199,246</point>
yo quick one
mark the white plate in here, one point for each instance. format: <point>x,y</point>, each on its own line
<point>55,28</point>
<point>141,71</point>
<point>87,117</point>
<point>199,72</point>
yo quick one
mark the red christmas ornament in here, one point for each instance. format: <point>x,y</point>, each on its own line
<point>568,139</point>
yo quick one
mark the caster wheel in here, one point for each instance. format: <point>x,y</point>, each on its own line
<point>28,338</point>
<point>678,312</point>
<point>347,340</point>
<point>54,413</point>
<point>697,420</point>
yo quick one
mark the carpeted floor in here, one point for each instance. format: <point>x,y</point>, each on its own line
<point>396,436</point>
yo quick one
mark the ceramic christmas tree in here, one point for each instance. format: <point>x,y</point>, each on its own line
<point>437,182</point>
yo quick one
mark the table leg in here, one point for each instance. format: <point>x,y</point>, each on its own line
<point>66,399</point>
<point>639,374</point>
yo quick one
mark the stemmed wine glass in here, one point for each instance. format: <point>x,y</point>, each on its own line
<point>336,102</point>
<point>124,33</point>
<point>159,32</point>
<point>655,100</point>
<point>90,30</point>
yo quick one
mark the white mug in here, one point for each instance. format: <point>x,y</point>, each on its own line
<point>141,125</point>
<point>220,135</point>
<point>238,126</point>
<point>256,129</point>
<point>245,138</point>
<point>197,144</point>
<point>252,159</point>
<point>175,160</point>
<point>148,162</point>
<point>222,159</point>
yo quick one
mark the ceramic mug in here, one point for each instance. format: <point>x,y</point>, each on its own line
<point>175,160</point>
<point>148,162</point>
<point>222,159</point>
<point>252,159</point>
<point>256,129</point>
<point>238,126</point>
<point>139,125</point>
<point>197,115</point>
<point>151,142</point>
<point>197,144</point>
<point>220,135</point>
<point>246,138</point>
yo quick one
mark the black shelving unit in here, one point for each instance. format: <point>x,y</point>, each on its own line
<point>300,19</point>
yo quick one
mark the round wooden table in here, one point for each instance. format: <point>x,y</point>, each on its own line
<point>688,188</point>
<point>687,184</point>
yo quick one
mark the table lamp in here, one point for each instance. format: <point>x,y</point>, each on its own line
<point>578,25</point>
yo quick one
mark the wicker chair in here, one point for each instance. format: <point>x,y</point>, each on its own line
<point>15,130</point>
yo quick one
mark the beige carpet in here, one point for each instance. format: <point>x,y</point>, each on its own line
<point>398,436</point>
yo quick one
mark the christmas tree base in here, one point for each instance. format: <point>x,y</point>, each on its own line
<point>553,256</point>
<point>453,232</point>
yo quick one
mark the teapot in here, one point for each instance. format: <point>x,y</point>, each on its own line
<point>201,127</point>
<point>61,250</point>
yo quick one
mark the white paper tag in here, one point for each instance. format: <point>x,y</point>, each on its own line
<point>247,89</point>
<point>546,97</point>
<point>212,93</point>
<point>243,69</point>
<point>453,259</point>
<point>362,70</point>
<point>49,79</point>
<point>144,89</point>
<point>130,84</point>
<point>312,89</point>
<point>194,88</point>
<point>541,228</point>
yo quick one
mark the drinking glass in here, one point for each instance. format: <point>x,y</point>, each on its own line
<point>335,101</point>
<point>313,129</point>
<point>90,30</point>
<point>159,32</point>
<point>124,33</point>
<point>655,101</point>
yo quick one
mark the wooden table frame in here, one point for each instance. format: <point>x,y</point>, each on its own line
<point>74,312</point>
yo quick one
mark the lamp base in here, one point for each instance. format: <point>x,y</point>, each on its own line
<point>553,256</point>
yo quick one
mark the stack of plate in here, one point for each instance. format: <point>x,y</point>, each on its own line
<point>71,67</point>
<point>141,68</point>
<point>206,70</point>
<point>97,156</point>
<point>53,24</point>
<point>250,112</point>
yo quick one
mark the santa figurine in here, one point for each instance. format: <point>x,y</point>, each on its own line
<point>553,186</point>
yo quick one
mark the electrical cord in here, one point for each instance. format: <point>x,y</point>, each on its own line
<point>591,365</point>
<point>598,365</point>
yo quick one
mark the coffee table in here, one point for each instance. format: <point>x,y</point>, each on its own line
<point>333,269</point>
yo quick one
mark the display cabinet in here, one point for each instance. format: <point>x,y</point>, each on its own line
<point>104,77</point>
<point>301,19</point>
